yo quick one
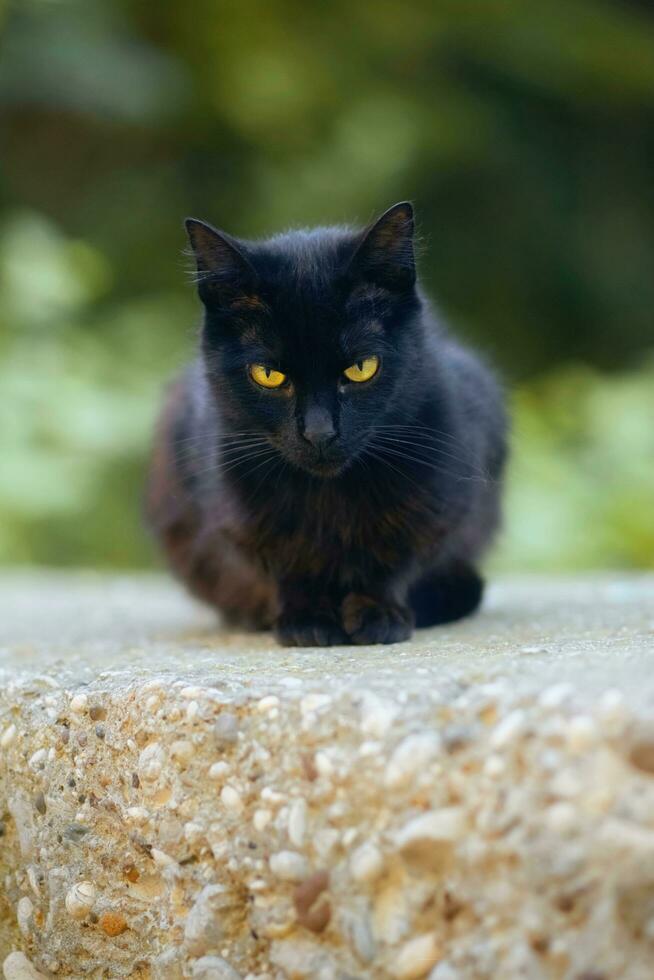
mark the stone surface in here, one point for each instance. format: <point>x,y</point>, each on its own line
<point>180,802</point>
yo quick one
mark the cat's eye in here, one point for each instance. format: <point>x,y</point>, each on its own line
<point>266,377</point>
<point>363,370</point>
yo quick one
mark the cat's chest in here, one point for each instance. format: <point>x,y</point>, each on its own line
<point>329,530</point>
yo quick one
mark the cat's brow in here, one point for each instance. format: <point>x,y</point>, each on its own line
<point>249,304</point>
<point>255,348</point>
<point>249,337</point>
<point>361,334</point>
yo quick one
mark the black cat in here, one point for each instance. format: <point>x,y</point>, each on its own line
<point>330,465</point>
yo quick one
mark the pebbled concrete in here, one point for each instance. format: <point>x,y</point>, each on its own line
<point>180,802</point>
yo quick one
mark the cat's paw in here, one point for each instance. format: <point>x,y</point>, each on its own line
<point>307,630</point>
<point>368,620</point>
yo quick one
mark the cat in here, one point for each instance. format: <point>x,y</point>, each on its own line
<point>330,465</point>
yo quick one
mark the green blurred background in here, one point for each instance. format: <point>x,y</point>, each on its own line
<point>524,133</point>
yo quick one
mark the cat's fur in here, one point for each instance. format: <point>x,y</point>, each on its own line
<point>380,529</point>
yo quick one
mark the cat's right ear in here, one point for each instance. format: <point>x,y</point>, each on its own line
<point>385,254</point>
<point>223,271</point>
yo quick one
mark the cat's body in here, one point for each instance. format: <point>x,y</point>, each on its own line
<point>335,510</point>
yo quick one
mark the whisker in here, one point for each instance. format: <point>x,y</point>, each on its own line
<point>417,447</point>
<point>195,454</point>
<point>280,466</point>
<point>426,447</point>
<point>222,468</point>
<point>253,470</point>
<point>422,432</point>
<point>430,465</point>
<point>419,433</point>
<point>380,459</point>
<point>226,437</point>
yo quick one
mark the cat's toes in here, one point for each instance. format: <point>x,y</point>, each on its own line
<point>309,631</point>
<point>367,620</point>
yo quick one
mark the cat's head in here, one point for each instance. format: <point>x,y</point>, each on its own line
<point>311,337</point>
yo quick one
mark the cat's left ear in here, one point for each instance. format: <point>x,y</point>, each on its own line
<point>385,255</point>
<point>224,272</point>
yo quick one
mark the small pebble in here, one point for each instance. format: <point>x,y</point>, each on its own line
<point>36,878</point>
<point>297,822</point>
<point>412,755</point>
<point>225,730</point>
<point>75,832</point>
<point>191,693</point>
<point>312,914</point>
<point>311,703</point>
<point>231,799</point>
<point>323,764</point>
<point>416,958</point>
<point>79,704</point>
<point>495,766</point>
<point>24,913</point>
<point>182,751</point>
<point>444,971</point>
<point>581,734</point>
<point>555,695</point>
<point>80,899</point>
<point>213,968</point>
<point>8,737</point>
<point>37,761</point>
<point>509,729</point>
<point>270,701</point>
<point>562,817</point>
<point>363,938</point>
<point>193,831</point>
<point>377,715</point>
<point>261,819</point>
<point>289,866</point>
<point>18,967</point>
<point>612,712</point>
<point>444,826</point>
<point>112,923</point>
<point>204,928</point>
<point>641,754</point>
<point>151,762</point>
<point>161,859</point>
<point>137,815</point>
<point>219,770</point>
<point>366,863</point>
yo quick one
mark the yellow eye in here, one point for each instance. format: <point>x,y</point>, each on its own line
<point>266,377</point>
<point>363,370</point>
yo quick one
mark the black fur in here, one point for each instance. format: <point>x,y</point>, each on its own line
<point>380,526</point>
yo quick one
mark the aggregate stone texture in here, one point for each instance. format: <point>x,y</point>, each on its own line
<point>177,801</point>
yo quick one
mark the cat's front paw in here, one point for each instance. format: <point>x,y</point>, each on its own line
<point>309,630</point>
<point>368,620</point>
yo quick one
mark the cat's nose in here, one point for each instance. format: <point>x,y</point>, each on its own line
<point>318,428</point>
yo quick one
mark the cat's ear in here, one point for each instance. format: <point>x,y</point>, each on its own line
<point>385,253</point>
<point>223,271</point>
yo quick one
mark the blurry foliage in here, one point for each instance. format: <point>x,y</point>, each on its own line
<point>581,483</point>
<point>523,132</point>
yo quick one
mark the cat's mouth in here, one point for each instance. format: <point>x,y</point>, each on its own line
<point>320,463</point>
<point>325,468</point>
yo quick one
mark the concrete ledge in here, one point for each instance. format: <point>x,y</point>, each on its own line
<point>177,802</point>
